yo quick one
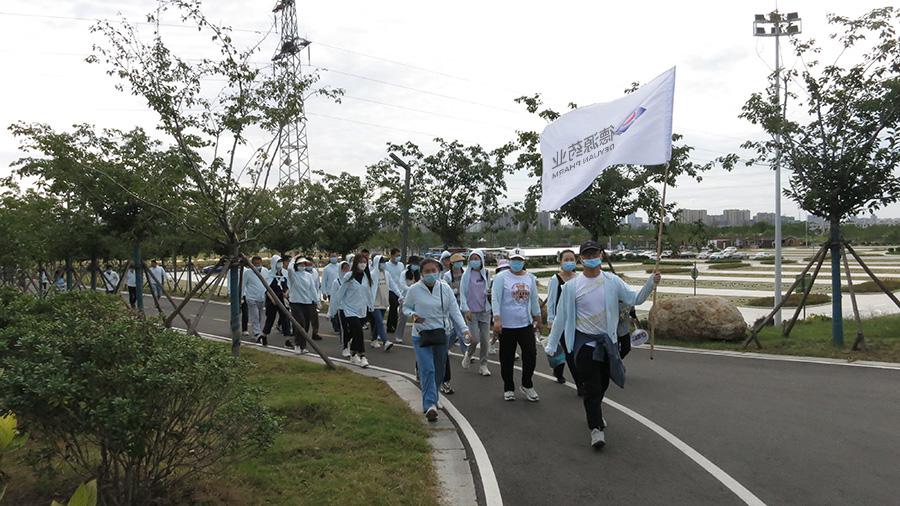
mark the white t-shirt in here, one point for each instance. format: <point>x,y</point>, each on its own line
<point>590,305</point>
<point>159,275</point>
<point>515,311</point>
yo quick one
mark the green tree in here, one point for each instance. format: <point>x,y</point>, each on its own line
<point>347,217</point>
<point>841,145</point>
<point>452,189</point>
<point>227,178</point>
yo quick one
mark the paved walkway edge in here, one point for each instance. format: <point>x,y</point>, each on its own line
<point>451,459</point>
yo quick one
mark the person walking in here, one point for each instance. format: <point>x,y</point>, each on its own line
<point>411,276</point>
<point>476,308</point>
<point>304,296</point>
<point>567,264</point>
<point>331,272</point>
<point>277,280</point>
<point>355,296</point>
<point>157,278</point>
<point>131,283</point>
<point>452,276</point>
<point>517,315</point>
<point>110,279</point>
<point>255,295</point>
<point>336,311</point>
<point>382,286</point>
<point>395,269</point>
<point>587,317</point>
<point>431,305</point>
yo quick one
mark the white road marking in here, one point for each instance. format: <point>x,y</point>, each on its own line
<point>780,358</point>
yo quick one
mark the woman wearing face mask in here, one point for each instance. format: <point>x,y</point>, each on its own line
<point>476,307</point>
<point>355,296</point>
<point>432,306</point>
<point>336,311</point>
<point>587,316</point>
<point>517,315</point>
<point>410,276</point>
<point>566,272</point>
<point>303,293</point>
<point>382,286</point>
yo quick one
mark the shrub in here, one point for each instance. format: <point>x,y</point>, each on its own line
<point>669,262</point>
<point>729,265</point>
<point>142,408</point>
<point>670,270</point>
<point>793,300</point>
<point>870,286</point>
<point>771,261</point>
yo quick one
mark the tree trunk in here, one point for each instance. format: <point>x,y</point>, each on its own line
<point>94,270</point>
<point>837,314</point>
<point>234,299</point>
<point>138,275</point>
<point>69,280</point>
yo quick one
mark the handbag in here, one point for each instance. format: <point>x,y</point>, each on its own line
<point>434,337</point>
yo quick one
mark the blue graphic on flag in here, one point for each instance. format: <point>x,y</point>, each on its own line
<point>626,124</point>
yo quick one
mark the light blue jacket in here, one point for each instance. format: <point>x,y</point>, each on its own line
<point>426,303</point>
<point>376,278</point>
<point>464,282</point>
<point>499,292</point>
<point>615,291</point>
<point>330,273</point>
<point>303,287</point>
<point>254,289</point>
<point>355,298</point>
<point>552,288</point>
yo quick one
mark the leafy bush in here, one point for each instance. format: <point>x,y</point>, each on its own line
<point>10,440</point>
<point>669,262</point>
<point>664,269</point>
<point>793,300</point>
<point>729,265</point>
<point>870,286</point>
<point>140,407</point>
<point>771,261</point>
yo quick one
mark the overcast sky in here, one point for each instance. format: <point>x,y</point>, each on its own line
<point>414,70</point>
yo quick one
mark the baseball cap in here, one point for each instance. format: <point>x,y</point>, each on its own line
<point>456,257</point>
<point>587,246</point>
<point>517,253</point>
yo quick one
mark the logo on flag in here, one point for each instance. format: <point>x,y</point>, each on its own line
<point>626,124</point>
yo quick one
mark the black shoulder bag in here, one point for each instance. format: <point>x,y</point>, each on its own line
<point>435,336</point>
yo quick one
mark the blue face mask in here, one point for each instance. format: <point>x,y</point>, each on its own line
<point>568,266</point>
<point>333,260</point>
<point>457,265</point>
<point>413,267</point>
<point>475,264</point>
<point>592,263</point>
<point>308,269</point>
<point>516,265</point>
<point>430,278</point>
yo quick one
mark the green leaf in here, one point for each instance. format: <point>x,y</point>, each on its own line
<point>86,495</point>
<point>7,430</point>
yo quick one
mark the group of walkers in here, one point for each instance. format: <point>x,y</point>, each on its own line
<point>454,300</point>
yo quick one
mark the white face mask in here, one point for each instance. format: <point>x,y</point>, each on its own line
<point>361,266</point>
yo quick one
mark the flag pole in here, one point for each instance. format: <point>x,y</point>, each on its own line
<point>662,215</point>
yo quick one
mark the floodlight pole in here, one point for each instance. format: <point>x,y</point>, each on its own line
<point>777,29</point>
<point>404,241</point>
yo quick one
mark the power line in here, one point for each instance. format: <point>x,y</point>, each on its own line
<point>433,113</point>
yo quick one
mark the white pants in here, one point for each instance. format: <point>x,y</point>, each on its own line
<point>256,310</point>
<point>480,328</point>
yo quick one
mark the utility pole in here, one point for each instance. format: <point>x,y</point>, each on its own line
<point>293,163</point>
<point>404,241</point>
<point>790,25</point>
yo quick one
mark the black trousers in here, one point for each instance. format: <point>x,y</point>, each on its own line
<point>594,378</point>
<point>272,311</point>
<point>132,296</point>
<point>393,306</point>
<point>355,324</point>
<point>343,328</point>
<point>297,312</point>
<point>244,315</point>
<point>570,361</point>
<point>523,337</point>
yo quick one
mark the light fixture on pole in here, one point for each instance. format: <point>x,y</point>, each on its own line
<point>776,25</point>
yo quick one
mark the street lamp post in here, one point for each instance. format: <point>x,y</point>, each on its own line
<point>404,241</point>
<point>774,25</point>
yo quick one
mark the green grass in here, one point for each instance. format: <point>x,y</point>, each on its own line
<point>346,439</point>
<point>792,301</point>
<point>728,265</point>
<point>870,286</point>
<point>812,337</point>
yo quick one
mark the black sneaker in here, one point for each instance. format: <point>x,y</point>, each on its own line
<point>288,344</point>
<point>265,339</point>
<point>580,391</point>
<point>561,379</point>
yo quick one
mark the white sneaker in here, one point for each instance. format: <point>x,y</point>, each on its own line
<point>466,359</point>
<point>354,360</point>
<point>375,343</point>
<point>598,438</point>
<point>388,345</point>
<point>398,340</point>
<point>345,352</point>
<point>492,350</point>
<point>431,414</point>
<point>300,351</point>
<point>530,394</point>
<point>509,395</point>
<point>483,370</point>
<point>363,362</point>
<point>604,422</point>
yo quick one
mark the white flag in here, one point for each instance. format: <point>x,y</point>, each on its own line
<point>579,145</point>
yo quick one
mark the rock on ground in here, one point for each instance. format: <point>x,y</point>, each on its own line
<point>698,319</point>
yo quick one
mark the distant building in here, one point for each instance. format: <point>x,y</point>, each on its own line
<point>545,220</point>
<point>692,216</point>
<point>764,218</point>
<point>634,221</point>
<point>736,217</point>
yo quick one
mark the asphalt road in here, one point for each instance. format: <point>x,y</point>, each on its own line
<point>791,433</point>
